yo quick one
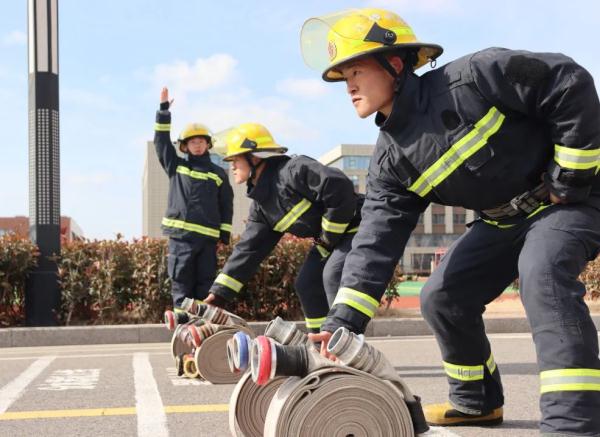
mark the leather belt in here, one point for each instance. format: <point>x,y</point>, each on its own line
<point>521,205</point>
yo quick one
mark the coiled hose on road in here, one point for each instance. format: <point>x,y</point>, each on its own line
<point>249,402</point>
<point>199,346</point>
<point>359,395</point>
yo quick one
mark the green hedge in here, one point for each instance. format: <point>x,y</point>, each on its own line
<point>117,281</point>
<point>17,257</point>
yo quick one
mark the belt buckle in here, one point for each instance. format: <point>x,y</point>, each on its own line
<point>518,202</point>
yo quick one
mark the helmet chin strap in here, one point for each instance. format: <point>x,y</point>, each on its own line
<point>253,169</point>
<point>399,78</point>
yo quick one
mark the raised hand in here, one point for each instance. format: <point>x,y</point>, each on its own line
<point>164,98</point>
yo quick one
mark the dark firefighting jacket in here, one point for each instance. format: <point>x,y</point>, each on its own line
<point>476,133</point>
<point>200,196</point>
<point>297,195</point>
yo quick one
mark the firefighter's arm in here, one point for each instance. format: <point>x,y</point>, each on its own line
<point>226,209</point>
<point>256,242</point>
<point>561,95</point>
<point>389,215</point>
<point>162,135</point>
<point>331,187</point>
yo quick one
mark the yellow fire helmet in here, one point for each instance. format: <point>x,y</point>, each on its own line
<point>194,130</point>
<point>251,138</point>
<point>331,40</point>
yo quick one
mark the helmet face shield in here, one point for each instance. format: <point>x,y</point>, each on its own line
<point>331,40</point>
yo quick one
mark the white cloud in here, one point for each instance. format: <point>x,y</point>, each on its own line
<point>88,99</point>
<point>200,95</point>
<point>14,38</point>
<point>403,6</point>
<point>87,182</point>
<point>202,75</point>
<point>304,88</point>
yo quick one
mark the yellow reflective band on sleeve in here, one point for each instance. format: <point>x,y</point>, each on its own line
<point>314,323</point>
<point>229,282</point>
<point>576,159</point>
<point>226,227</point>
<point>458,153</point>
<point>178,310</point>
<point>180,224</point>
<point>464,373</point>
<point>359,301</point>
<point>570,380</point>
<point>491,363</point>
<point>199,174</point>
<point>336,228</point>
<point>352,231</point>
<point>322,251</point>
<point>294,214</point>
<point>161,127</point>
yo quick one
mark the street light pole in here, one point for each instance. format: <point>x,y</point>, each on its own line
<point>42,294</point>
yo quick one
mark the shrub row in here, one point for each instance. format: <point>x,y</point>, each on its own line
<point>117,281</point>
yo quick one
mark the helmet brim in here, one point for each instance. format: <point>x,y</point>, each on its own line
<point>427,53</point>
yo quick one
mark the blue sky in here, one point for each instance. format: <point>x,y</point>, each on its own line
<point>225,62</point>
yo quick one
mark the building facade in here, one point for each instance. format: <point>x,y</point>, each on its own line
<point>19,225</point>
<point>155,192</point>
<point>438,226</point>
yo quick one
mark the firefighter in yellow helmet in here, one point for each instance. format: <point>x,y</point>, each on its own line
<point>295,195</point>
<point>513,135</point>
<point>200,206</point>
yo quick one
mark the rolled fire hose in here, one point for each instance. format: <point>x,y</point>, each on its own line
<point>210,355</point>
<point>249,402</point>
<point>204,337</point>
<point>359,395</point>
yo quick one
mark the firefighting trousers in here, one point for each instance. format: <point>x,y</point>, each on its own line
<point>192,268</point>
<point>318,281</point>
<point>547,252</point>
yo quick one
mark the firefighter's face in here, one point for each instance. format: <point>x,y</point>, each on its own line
<point>370,87</point>
<point>241,169</point>
<point>197,146</point>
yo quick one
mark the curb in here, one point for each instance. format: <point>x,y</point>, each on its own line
<point>156,333</point>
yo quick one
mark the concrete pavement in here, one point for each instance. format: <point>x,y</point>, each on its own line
<point>156,333</point>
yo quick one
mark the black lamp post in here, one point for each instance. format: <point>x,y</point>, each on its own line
<point>42,294</point>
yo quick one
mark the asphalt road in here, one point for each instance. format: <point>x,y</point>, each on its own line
<point>131,389</point>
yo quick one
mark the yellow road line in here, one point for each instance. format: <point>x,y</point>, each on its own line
<point>95,412</point>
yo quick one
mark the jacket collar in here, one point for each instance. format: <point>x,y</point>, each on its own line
<point>262,190</point>
<point>201,159</point>
<point>408,102</point>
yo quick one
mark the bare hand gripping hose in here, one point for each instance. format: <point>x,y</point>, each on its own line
<point>360,395</point>
<point>199,345</point>
<point>249,402</point>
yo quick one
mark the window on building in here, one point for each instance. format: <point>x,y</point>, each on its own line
<point>438,219</point>
<point>460,219</point>
<point>356,162</point>
<point>420,220</point>
<point>356,182</point>
<point>421,262</point>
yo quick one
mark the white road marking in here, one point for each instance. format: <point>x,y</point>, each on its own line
<point>151,417</point>
<point>71,379</point>
<point>14,389</point>
<point>58,357</point>
<point>439,431</point>
<point>181,380</point>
